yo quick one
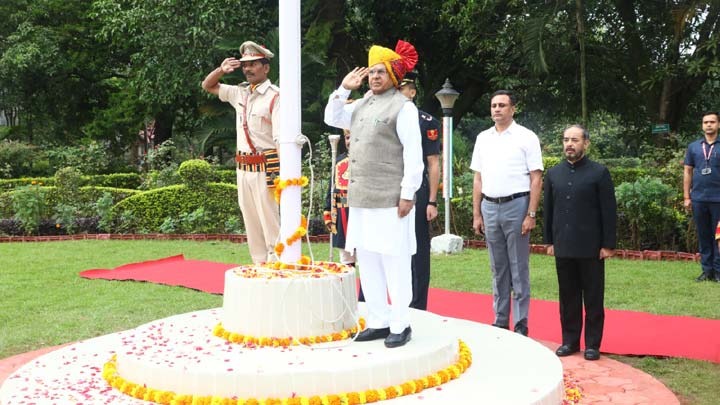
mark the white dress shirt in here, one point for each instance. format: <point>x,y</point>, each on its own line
<point>506,159</point>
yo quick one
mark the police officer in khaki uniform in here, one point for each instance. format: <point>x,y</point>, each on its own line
<point>256,103</point>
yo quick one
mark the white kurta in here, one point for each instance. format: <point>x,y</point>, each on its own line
<point>380,230</point>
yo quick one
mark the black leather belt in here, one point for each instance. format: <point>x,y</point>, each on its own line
<point>500,200</point>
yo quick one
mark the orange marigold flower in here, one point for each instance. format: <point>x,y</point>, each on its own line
<point>371,396</point>
<point>294,401</point>
<point>315,400</point>
<point>279,248</point>
<point>353,398</point>
<point>252,401</point>
<point>444,376</point>
<point>334,400</point>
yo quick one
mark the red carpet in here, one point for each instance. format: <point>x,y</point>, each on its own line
<point>626,332</point>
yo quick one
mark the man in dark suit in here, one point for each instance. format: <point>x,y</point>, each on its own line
<point>580,221</point>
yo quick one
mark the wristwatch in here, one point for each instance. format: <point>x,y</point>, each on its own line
<point>531,214</point>
<point>433,203</point>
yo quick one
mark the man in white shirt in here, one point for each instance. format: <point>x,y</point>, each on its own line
<point>506,192</point>
<point>385,171</point>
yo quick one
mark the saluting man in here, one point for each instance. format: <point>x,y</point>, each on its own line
<point>426,196</point>
<point>256,104</point>
<point>385,171</point>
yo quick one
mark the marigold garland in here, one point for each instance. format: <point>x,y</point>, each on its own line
<point>264,341</point>
<point>280,185</point>
<point>296,236</point>
<point>138,391</point>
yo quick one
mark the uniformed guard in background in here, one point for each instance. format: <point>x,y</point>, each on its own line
<point>256,104</point>
<point>336,211</point>
<point>426,203</point>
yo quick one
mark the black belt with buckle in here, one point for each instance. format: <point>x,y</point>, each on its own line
<point>500,200</point>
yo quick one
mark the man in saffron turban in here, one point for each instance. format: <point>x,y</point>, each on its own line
<point>386,170</point>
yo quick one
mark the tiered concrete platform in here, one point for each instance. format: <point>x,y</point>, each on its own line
<point>507,368</point>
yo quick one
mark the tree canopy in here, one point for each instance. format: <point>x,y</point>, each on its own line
<point>103,69</point>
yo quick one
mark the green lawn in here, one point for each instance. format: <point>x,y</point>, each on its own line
<point>45,303</point>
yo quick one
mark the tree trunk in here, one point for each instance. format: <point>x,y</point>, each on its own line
<point>581,41</point>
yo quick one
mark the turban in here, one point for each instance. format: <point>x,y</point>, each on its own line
<point>397,62</point>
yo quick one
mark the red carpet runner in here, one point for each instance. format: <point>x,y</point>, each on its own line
<point>626,332</point>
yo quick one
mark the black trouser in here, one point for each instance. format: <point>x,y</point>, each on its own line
<point>581,279</point>
<point>421,259</point>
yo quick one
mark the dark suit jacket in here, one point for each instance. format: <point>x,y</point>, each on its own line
<point>579,209</point>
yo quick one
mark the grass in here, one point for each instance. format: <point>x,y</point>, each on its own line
<point>45,303</point>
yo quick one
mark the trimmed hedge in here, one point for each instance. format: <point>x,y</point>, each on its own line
<point>87,198</point>
<point>115,180</point>
<point>146,212</point>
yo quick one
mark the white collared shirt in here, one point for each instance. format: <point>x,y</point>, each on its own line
<point>506,159</point>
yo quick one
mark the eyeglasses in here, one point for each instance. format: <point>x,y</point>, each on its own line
<point>379,72</point>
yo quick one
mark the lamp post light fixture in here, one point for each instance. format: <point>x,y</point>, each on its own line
<point>447,243</point>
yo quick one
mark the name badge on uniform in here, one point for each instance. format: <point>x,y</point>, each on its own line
<point>706,171</point>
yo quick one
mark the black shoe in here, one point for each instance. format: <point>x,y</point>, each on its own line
<point>398,339</point>
<point>521,329</point>
<point>717,277</point>
<point>566,350</point>
<point>372,334</point>
<point>501,326</point>
<point>705,277</point>
<point>592,354</point>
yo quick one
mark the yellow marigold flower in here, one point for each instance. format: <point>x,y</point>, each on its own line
<point>294,401</point>
<point>218,330</point>
<point>304,181</point>
<point>315,400</point>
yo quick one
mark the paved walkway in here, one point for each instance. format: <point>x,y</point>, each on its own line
<point>605,381</point>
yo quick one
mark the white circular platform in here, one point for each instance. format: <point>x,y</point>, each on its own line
<point>507,368</point>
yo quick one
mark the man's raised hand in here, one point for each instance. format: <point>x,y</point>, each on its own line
<point>229,65</point>
<point>354,79</point>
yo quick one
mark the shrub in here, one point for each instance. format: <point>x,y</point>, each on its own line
<point>167,176</point>
<point>65,216</point>
<point>116,180</point>
<point>85,199</point>
<point>103,208</point>
<point>150,209</point>
<point>28,204</point>
<point>645,211</point>
<point>67,184</point>
<point>91,158</point>
<point>195,172</point>
<point>16,158</point>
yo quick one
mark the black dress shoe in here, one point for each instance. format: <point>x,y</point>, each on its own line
<point>372,334</point>
<point>521,329</point>
<point>501,326</point>
<point>705,277</point>
<point>592,354</point>
<point>398,339</point>
<point>566,350</point>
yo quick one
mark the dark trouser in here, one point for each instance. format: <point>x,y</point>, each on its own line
<point>581,279</point>
<point>706,215</point>
<point>421,259</point>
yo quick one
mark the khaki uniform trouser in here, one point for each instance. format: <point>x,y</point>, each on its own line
<point>260,212</point>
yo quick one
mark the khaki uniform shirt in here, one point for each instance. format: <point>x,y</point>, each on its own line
<point>262,123</point>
